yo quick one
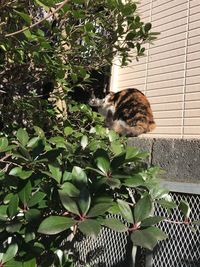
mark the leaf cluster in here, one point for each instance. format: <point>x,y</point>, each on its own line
<point>57,186</point>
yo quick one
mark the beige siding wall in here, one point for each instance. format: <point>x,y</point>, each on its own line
<point>169,74</point>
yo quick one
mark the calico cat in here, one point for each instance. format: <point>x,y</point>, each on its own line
<point>127,112</point>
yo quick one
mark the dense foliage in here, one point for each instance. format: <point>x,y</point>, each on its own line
<point>55,187</point>
<point>62,175</point>
<point>78,36</point>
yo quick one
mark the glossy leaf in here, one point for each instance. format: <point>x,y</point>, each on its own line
<point>102,161</point>
<point>84,141</point>
<point>22,136</point>
<point>25,16</point>
<point>134,181</point>
<point>143,208</point>
<point>10,253</point>
<point>84,200</point>
<point>3,144</point>
<point>70,190</point>
<point>125,210</point>
<point>69,203</point>
<point>55,170</point>
<point>36,198</point>
<point>90,227</point>
<point>3,212</point>
<point>79,177</point>
<point>118,161</point>
<point>99,209</point>
<point>152,221</point>
<point>115,224</point>
<point>185,208</point>
<point>55,224</point>
<point>13,206</point>
<point>32,215</point>
<point>147,238</point>
<point>25,193</point>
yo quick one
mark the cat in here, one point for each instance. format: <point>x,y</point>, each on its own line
<point>127,112</point>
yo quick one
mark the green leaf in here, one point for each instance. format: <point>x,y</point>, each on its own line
<point>3,213</point>
<point>79,177</point>
<point>89,26</point>
<point>134,181</point>
<point>117,147</point>
<point>25,174</point>
<point>13,206</point>
<point>10,253</point>
<point>113,136</point>
<point>125,210</point>
<point>131,153</point>
<point>13,263</point>
<point>22,136</point>
<point>103,164</point>
<point>43,5</point>
<point>151,221</point>
<point>32,215</point>
<point>39,131</point>
<point>36,198</point>
<point>90,227</point>
<point>84,141</point>
<point>115,225</point>
<point>143,208</point>
<point>30,263</point>
<point>55,224</point>
<point>17,171</point>
<point>68,131</point>
<point>147,238</point>
<point>147,27</point>
<point>25,16</point>
<point>185,208</point>
<point>118,161</point>
<point>113,183</point>
<point>55,171</point>
<point>102,161</point>
<point>67,176</point>
<point>68,203</point>
<point>33,141</point>
<point>167,204</point>
<point>14,227</point>
<point>196,222</point>
<point>25,193</point>
<point>99,209</point>
<point>70,190</point>
<point>84,201</point>
<point>3,144</point>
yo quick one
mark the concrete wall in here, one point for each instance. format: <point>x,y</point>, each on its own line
<point>180,158</point>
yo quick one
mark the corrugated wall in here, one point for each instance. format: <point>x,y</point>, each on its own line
<point>169,74</point>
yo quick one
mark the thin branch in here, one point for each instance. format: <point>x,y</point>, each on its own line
<point>40,21</point>
<point>177,222</point>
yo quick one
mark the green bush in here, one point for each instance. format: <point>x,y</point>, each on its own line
<point>53,187</point>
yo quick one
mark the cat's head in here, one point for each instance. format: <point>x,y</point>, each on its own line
<point>95,102</point>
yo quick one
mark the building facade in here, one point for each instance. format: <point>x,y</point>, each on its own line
<point>169,73</point>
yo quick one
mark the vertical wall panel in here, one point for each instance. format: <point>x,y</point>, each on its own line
<point>169,74</point>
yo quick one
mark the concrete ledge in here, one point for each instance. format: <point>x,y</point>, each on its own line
<point>180,158</point>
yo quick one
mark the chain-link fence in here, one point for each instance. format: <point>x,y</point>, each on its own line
<point>110,249</point>
<point>182,247</point>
